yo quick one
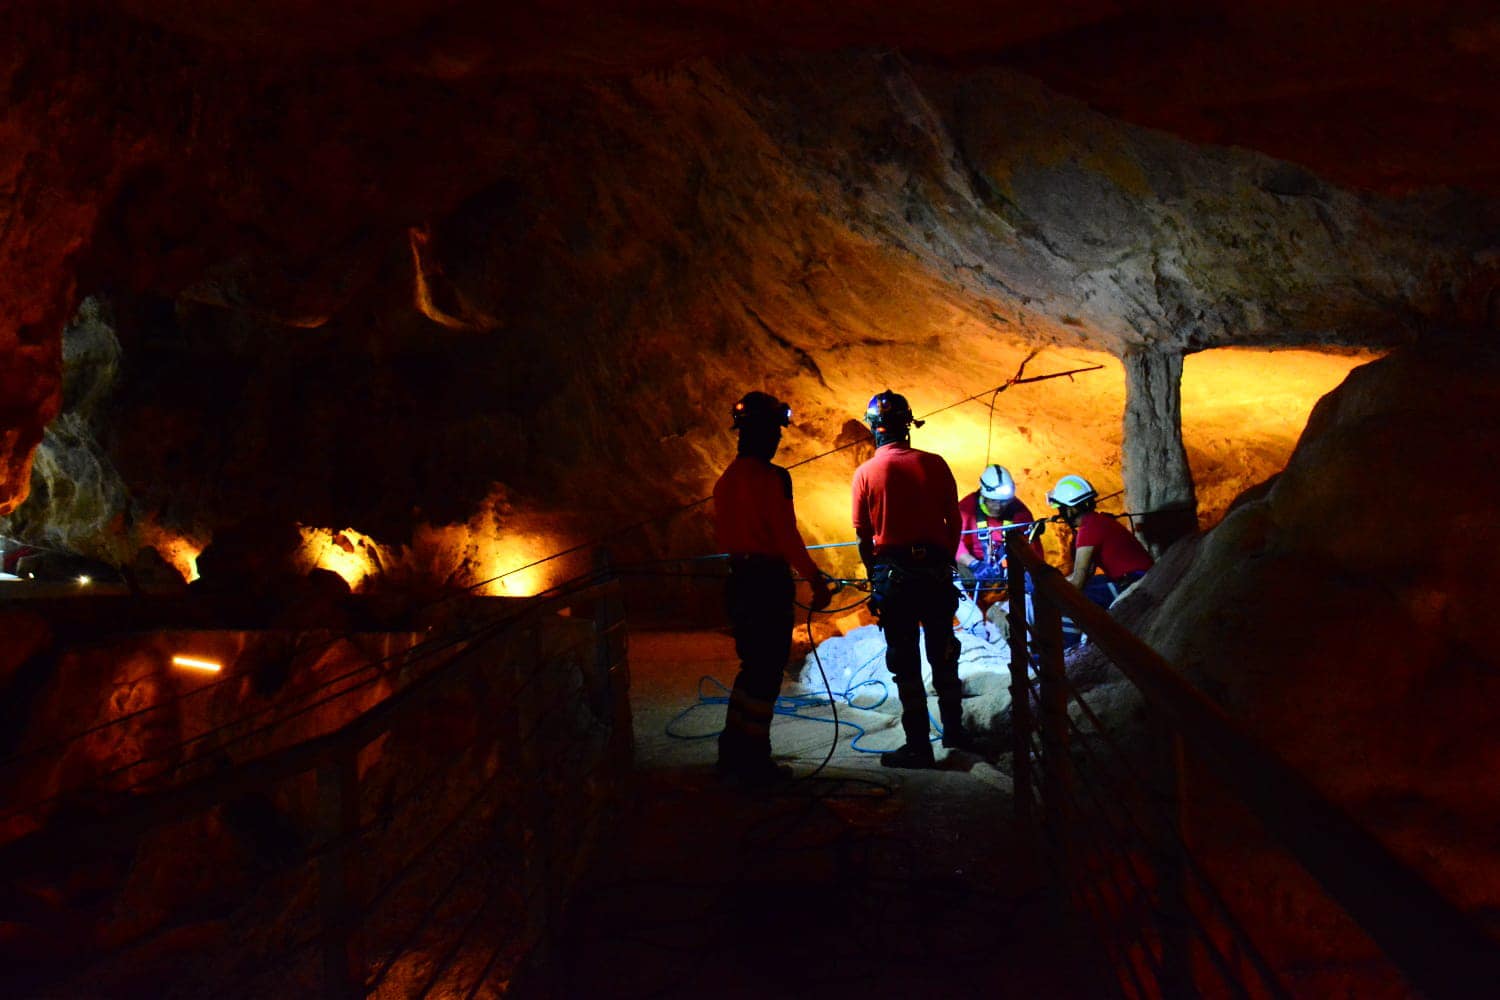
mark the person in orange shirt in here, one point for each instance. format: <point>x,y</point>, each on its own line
<point>907,522</point>
<point>755,522</point>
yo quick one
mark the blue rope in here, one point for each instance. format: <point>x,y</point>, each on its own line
<point>793,706</point>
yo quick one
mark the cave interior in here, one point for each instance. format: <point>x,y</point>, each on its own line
<point>321,312</point>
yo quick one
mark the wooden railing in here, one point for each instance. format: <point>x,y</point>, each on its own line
<point>396,831</point>
<point>1062,787</point>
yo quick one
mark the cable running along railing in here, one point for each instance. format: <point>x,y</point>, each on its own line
<point>242,735</point>
<point>420,848</point>
<point>1115,829</point>
<point>1018,379</point>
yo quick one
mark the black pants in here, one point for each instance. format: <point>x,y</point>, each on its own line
<point>918,607</point>
<point>759,596</point>
<point>1102,591</point>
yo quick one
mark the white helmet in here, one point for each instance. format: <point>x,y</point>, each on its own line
<point>1070,491</point>
<point>995,483</point>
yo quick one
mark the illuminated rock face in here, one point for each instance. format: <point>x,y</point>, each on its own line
<point>75,490</point>
<point>1341,614</point>
<point>361,300</point>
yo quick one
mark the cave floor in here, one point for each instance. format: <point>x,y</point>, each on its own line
<point>862,880</point>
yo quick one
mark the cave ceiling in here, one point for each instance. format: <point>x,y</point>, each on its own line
<point>473,217</point>
<point>1390,95</point>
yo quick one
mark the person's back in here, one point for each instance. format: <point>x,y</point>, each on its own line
<point>1117,553</point>
<point>904,496</point>
<point>756,525</point>
<point>906,519</point>
<point>753,514</point>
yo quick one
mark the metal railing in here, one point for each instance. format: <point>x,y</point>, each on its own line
<point>424,846</point>
<point>1112,821</point>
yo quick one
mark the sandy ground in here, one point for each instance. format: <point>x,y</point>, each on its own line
<point>876,882</point>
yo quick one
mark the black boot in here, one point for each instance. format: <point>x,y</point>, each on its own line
<point>918,751</point>
<point>911,755</point>
<point>754,772</point>
<point>955,737</point>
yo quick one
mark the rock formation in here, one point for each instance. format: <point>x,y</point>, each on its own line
<point>443,287</point>
<point>363,299</point>
<point>1339,613</point>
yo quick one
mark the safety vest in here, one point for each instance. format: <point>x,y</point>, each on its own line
<point>992,553</point>
<point>986,537</point>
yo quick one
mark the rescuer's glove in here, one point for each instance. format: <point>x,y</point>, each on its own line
<point>988,572</point>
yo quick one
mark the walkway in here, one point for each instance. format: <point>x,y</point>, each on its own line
<point>864,881</point>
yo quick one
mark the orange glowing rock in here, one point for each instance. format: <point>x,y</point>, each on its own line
<point>180,552</point>
<point>434,296</point>
<point>498,552</point>
<point>351,555</point>
<point>496,556</point>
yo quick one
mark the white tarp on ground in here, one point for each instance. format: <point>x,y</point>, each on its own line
<point>855,667</point>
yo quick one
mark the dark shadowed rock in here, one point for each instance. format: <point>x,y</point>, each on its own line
<point>1340,614</point>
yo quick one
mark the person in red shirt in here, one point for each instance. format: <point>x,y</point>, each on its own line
<point>982,516</point>
<point>1099,542</point>
<point>906,519</point>
<point>754,521</point>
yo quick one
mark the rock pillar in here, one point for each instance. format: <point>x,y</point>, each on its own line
<point>1158,482</point>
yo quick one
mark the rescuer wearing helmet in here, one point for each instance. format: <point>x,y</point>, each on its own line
<point>906,520</point>
<point>756,524</point>
<point>1098,541</point>
<point>983,514</point>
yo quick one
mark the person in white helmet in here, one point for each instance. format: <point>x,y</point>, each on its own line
<point>983,515</point>
<point>1099,543</point>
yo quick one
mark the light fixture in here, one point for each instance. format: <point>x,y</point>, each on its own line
<point>197,663</point>
<point>85,580</point>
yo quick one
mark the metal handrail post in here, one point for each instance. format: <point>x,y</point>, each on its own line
<point>1020,690</point>
<point>1443,951</point>
<point>1057,769</point>
<point>612,654</point>
<point>1171,863</point>
<point>532,805</point>
<point>338,881</point>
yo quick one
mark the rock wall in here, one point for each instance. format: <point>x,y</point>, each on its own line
<point>360,301</point>
<point>1339,613</point>
<point>499,783</point>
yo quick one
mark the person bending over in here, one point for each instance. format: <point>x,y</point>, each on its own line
<point>1099,543</point>
<point>983,514</point>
